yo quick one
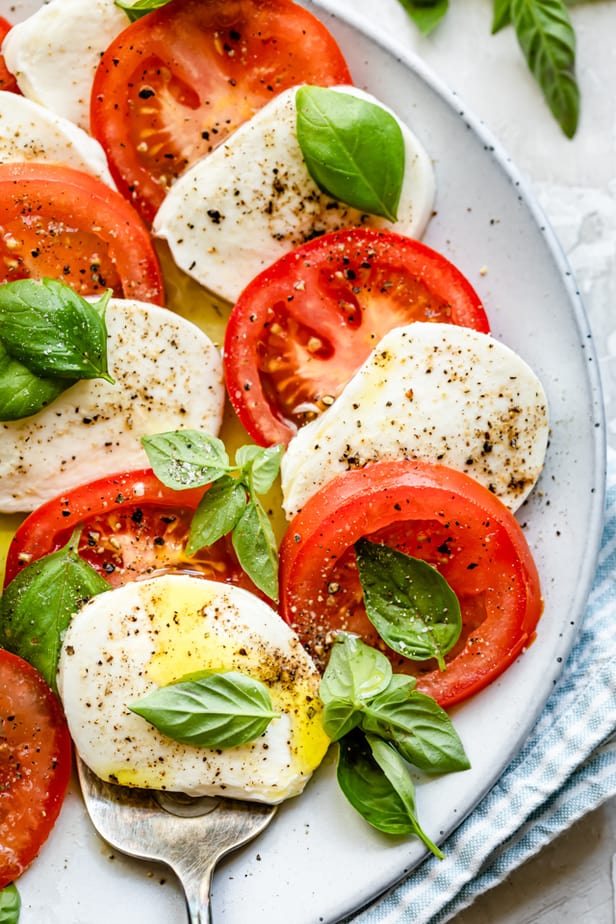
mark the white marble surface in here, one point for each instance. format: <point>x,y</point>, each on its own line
<point>575,181</point>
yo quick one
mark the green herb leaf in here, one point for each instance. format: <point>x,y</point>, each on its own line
<point>186,458</point>
<point>354,149</point>
<point>217,514</point>
<point>10,904</point>
<point>255,546</point>
<point>547,39</point>
<point>139,8</point>
<point>419,729</point>
<point>218,710</point>
<point>409,603</point>
<point>355,672</point>
<point>339,718</point>
<point>376,781</point>
<point>260,465</point>
<point>23,393</point>
<point>53,331</point>
<point>39,603</point>
<point>501,15</point>
<point>426,14</point>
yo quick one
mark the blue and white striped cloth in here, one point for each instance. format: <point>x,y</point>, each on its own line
<point>566,768</point>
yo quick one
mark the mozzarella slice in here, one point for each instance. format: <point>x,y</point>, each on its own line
<point>436,392</point>
<point>55,52</point>
<point>129,641</point>
<point>168,375</point>
<point>30,132</point>
<point>251,200</point>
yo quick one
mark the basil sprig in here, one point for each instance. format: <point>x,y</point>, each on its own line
<point>190,459</point>
<point>353,149</point>
<point>546,37</point>
<point>10,904</point>
<point>50,338</point>
<point>39,603</point>
<point>410,604</point>
<point>213,709</point>
<point>383,725</point>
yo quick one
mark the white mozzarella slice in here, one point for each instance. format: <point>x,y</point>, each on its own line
<point>251,200</point>
<point>167,375</point>
<point>30,132</point>
<point>55,52</point>
<point>127,642</point>
<point>436,392</point>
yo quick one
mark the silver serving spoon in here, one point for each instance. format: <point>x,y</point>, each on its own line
<point>189,835</point>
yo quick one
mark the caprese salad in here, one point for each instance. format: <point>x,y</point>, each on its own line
<point>210,275</point>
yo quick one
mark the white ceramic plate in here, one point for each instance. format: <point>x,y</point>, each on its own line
<point>319,861</point>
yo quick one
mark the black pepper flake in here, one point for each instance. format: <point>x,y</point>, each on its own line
<point>146,93</point>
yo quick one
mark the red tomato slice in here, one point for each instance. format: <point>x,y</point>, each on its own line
<point>59,222</point>
<point>433,513</point>
<point>35,764</point>
<point>177,82</point>
<point>7,80</point>
<point>304,325</point>
<point>132,526</point>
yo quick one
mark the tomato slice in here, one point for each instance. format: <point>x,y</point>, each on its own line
<point>177,82</point>
<point>59,222</point>
<point>132,526</point>
<point>35,764</point>
<point>7,80</point>
<point>304,325</point>
<point>430,512</point>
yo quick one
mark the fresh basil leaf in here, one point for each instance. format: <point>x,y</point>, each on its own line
<point>353,149</point>
<point>140,8</point>
<point>394,768</point>
<point>219,710</point>
<point>52,330</point>
<point>426,14</point>
<point>339,718</point>
<point>419,729</point>
<point>217,514</point>
<point>186,458</point>
<point>262,465</point>
<point>255,546</point>
<point>39,603</point>
<point>410,604</point>
<point>376,782</point>
<point>501,15</point>
<point>10,904</point>
<point>355,672</point>
<point>547,39</point>
<point>23,393</point>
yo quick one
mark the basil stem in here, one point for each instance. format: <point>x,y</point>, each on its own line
<point>10,904</point>
<point>188,459</point>
<point>39,603</point>
<point>214,710</point>
<point>53,331</point>
<point>353,149</point>
<point>411,605</point>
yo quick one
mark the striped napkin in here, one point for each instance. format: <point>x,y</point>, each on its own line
<point>566,768</point>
